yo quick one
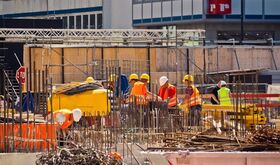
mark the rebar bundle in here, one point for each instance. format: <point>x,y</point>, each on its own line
<point>265,135</point>
<point>71,155</point>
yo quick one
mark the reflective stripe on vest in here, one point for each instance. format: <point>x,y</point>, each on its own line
<point>195,98</point>
<point>224,96</point>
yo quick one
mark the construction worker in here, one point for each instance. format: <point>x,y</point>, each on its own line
<point>193,101</point>
<point>138,102</point>
<point>115,85</point>
<point>214,94</point>
<point>89,80</point>
<point>145,78</point>
<point>140,92</point>
<point>133,78</point>
<point>167,92</point>
<point>224,94</point>
<point>2,102</point>
<point>112,82</point>
<point>65,117</point>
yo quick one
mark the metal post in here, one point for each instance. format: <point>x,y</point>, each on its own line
<point>188,61</point>
<point>242,23</point>
<point>62,66</point>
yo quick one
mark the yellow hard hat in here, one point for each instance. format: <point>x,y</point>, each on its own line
<point>188,78</point>
<point>145,76</point>
<point>112,77</point>
<point>133,77</point>
<point>90,80</point>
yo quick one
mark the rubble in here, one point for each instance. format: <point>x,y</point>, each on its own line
<point>264,139</point>
<point>265,135</point>
<point>75,154</point>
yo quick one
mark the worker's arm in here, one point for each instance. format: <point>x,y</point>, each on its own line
<point>214,98</point>
<point>152,96</point>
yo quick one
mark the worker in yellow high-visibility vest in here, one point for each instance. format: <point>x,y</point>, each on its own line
<point>224,94</point>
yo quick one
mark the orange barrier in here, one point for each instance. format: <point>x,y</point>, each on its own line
<point>38,137</point>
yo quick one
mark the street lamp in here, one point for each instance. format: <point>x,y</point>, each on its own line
<point>242,22</point>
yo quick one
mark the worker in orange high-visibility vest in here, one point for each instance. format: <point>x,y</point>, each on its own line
<point>66,117</point>
<point>139,93</point>
<point>167,92</point>
<point>145,78</point>
<point>193,101</point>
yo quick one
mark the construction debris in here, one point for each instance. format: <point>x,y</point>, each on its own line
<point>74,154</point>
<point>265,135</point>
<point>264,139</point>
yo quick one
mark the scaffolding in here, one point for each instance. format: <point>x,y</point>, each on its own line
<point>101,36</point>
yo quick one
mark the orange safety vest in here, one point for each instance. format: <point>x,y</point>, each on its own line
<point>68,118</point>
<point>164,94</point>
<point>195,98</point>
<point>139,92</point>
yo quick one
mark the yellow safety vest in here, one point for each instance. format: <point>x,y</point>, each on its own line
<point>224,96</point>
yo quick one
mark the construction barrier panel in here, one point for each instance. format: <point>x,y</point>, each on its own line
<point>27,137</point>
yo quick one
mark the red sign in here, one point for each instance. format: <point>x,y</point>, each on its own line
<point>219,6</point>
<point>20,75</point>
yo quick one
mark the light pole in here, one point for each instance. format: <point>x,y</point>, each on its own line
<point>235,54</point>
<point>272,52</point>
<point>242,22</point>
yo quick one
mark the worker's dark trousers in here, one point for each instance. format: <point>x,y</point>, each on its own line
<point>194,116</point>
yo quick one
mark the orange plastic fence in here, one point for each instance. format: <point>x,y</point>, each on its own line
<point>30,137</point>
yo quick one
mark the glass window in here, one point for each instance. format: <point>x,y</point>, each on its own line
<point>92,21</point>
<point>65,23</point>
<point>78,22</point>
<point>71,22</point>
<point>85,21</point>
<point>99,21</point>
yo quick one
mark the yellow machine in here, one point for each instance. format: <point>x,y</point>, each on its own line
<point>252,116</point>
<point>89,96</point>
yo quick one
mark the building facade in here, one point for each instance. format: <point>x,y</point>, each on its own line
<point>261,18</point>
<point>76,14</point>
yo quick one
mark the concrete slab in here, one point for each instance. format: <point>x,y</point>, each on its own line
<point>18,158</point>
<point>221,158</point>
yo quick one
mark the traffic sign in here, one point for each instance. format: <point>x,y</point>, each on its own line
<point>20,75</point>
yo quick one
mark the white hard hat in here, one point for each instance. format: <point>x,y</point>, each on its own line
<point>223,82</point>
<point>77,114</point>
<point>60,118</point>
<point>163,80</point>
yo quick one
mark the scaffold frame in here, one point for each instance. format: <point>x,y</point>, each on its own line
<point>102,36</point>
